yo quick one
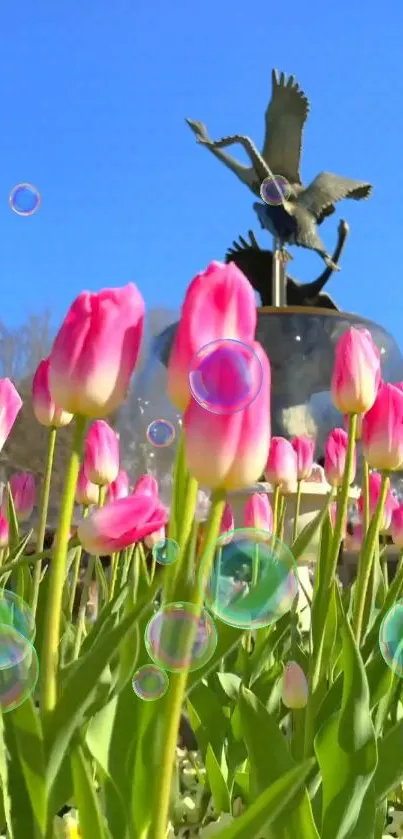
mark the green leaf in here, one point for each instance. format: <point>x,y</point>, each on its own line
<point>228,639</point>
<point>29,740</point>
<point>269,760</point>
<point>218,787</point>
<point>14,534</point>
<point>89,812</point>
<point>389,772</point>
<point>4,779</point>
<point>304,538</point>
<point>270,805</point>
<point>209,723</point>
<point>101,580</point>
<point>347,741</point>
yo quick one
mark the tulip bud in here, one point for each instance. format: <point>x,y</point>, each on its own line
<point>295,686</point>
<point>101,458</point>
<point>10,406</point>
<point>258,513</point>
<point>281,466</point>
<point>118,488</point>
<point>22,486</point>
<point>4,531</point>
<point>382,430</point>
<point>356,372</point>
<point>374,490</point>
<point>146,485</point>
<point>95,351</point>
<point>304,448</point>
<point>397,526</point>
<point>118,525</point>
<point>43,405</point>
<point>86,492</point>
<point>335,457</point>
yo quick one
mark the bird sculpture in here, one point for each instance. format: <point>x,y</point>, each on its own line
<point>295,218</point>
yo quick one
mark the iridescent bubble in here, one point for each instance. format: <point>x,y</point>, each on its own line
<point>160,433</point>
<point>181,636</point>
<point>391,638</point>
<point>253,580</point>
<point>225,376</point>
<point>274,190</point>
<point>19,669</point>
<point>166,552</point>
<point>150,682</point>
<point>16,613</point>
<point>24,199</point>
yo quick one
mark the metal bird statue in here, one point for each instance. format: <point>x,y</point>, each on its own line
<point>257,266</point>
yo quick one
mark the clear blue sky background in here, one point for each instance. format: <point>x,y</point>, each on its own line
<point>93,99</point>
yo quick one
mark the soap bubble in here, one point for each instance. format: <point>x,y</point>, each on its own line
<point>253,579</point>
<point>24,199</point>
<point>167,637</point>
<point>19,668</point>
<point>225,376</point>
<point>150,682</point>
<point>166,552</point>
<point>160,433</point>
<point>391,638</point>
<point>274,190</point>
<point>16,613</point>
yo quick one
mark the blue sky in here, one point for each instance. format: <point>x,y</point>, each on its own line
<point>94,96</point>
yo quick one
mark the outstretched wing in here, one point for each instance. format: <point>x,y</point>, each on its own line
<point>285,119</point>
<point>323,193</point>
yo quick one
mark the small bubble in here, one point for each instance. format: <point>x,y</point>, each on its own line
<point>166,552</point>
<point>19,668</point>
<point>150,683</point>
<point>24,199</point>
<point>274,190</point>
<point>225,376</point>
<point>160,433</point>
<point>391,638</point>
<point>180,637</point>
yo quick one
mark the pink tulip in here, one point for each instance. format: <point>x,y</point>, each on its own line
<point>294,687</point>
<point>119,488</point>
<point>101,457</point>
<point>304,448</point>
<point>281,466</point>
<point>43,405</point>
<point>258,513</point>
<point>382,430</point>
<point>147,485</point>
<point>23,491</point>
<point>374,486</point>
<point>335,457</point>
<point>227,525</point>
<point>122,523</point>
<point>10,406</point>
<point>229,450</point>
<point>86,492</point>
<point>95,351</point>
<point>156,538</point>
<point>397,526</point>
<point>4,531</point>
<point>356,372</point>
<point>219,303</point>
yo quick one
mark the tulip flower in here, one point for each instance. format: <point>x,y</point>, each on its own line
<point>121,523</point>
<point>23,491</point>
<point>304,448</point>
<point>258,513</point>
<point>219,304</point>
<point>95,351</point>
<point>4,531</point>
<point>335,457</point>
<point>356,372</point>
<point>147,485</point>
<point>397,526</point>
<point>45,410</point>
<point>101,458</point>
<point>382,430</point>
<point>229,451</point>
<point>119,488</point>
<point>86,492</point>
<point>10,406</point>
<point>281,466</point>
<point>294,687</point>
<point>374,489</point>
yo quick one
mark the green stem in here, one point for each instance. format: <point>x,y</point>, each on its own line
<point>43,515</point>
<point>176,691</point>
<point>57,574</point>
<point>76,571</point>
<point>176,571</point>
<point>366,560</point>
<point>179,473</point>
<point>276,504</point>
<point>83,607</point>
<point>114,571</point>
<point>365,495</point>
<point>296,514</point>
<point>342,501</point>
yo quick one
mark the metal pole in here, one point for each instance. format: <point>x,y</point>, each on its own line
<point>279,276</point>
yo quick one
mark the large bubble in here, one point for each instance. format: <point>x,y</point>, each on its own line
<point>24,199</point>
<point>225,376</point>
<point>19,668</point>
<point>253,580</point>
<point>275,190</point>
<point>180,637</point>
<point>150,682</point>
<point>160,433</point>
<point>391,638</point>
<point>16,613</point>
